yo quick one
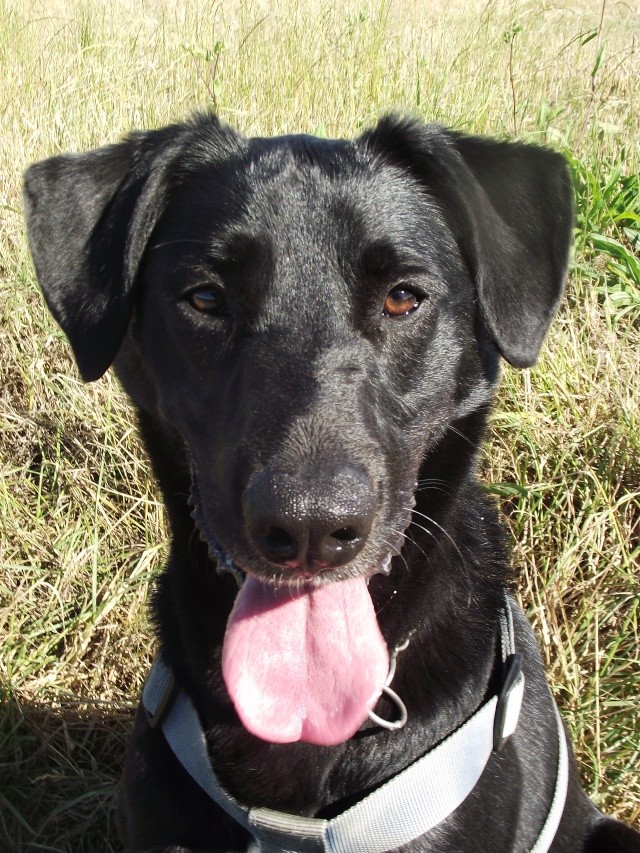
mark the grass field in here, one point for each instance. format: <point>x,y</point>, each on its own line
<point>82,534</point>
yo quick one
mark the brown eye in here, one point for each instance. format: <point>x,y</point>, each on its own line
<point>208,300</point>
<point>400,302</point>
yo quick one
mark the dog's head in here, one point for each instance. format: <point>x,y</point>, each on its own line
<point>311,318</point>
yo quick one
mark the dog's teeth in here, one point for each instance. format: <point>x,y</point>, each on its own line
<point>227,566</point>
<point>385,565</point>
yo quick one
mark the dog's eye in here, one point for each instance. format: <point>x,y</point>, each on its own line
<point>208,300</point>
<point>400,301</point>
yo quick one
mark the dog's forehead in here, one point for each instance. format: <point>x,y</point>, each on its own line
<point>331,155</point>
<point>300,190</point>
<point>327,180</point>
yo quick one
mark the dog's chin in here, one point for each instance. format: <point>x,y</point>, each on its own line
<point>278,576</point>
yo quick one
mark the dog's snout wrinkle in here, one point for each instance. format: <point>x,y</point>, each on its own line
<point>312,523</point>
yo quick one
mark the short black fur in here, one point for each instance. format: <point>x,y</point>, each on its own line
<point>300,378</point>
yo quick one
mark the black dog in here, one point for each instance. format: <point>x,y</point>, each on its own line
<point>311,332</point>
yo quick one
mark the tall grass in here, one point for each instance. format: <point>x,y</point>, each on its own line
<point>82,530</point>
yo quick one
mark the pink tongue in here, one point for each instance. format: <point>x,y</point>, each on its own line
<point>304,666</point>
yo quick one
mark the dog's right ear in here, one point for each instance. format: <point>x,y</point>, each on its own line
<point>509,207</point>
<point>89,218</point>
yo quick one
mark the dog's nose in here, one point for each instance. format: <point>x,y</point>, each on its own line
<point>319,523</point>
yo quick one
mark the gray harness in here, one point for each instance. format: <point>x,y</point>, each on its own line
<point>399,811</point>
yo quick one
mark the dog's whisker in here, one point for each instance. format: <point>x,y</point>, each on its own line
<point>401,535</point>
<point>441,489</point>
<point>456,431</point>
<point>434,485</point>
<point>178,242</point>
<point>442,530</point>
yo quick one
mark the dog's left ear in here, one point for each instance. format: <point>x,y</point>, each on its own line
<point>89,218</point>
<point>509,206</point>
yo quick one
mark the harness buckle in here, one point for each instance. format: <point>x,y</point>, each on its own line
<point>159,693</point>
<point>509,701</point>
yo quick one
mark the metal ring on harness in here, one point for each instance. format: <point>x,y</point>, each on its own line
<point>392,725</point>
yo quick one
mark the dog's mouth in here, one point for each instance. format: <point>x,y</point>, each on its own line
<point>302,660</point>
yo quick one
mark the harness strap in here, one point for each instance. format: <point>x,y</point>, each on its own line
<point>420,797</point>
<point>556,809</point>
<point>399,811</point>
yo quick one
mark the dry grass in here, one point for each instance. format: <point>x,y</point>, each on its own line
<point>82,532</point>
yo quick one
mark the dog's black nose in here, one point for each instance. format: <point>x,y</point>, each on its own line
<point>320,522</point>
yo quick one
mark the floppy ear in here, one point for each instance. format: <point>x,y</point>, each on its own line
<point>509,206</point>
<point>89,217</point>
